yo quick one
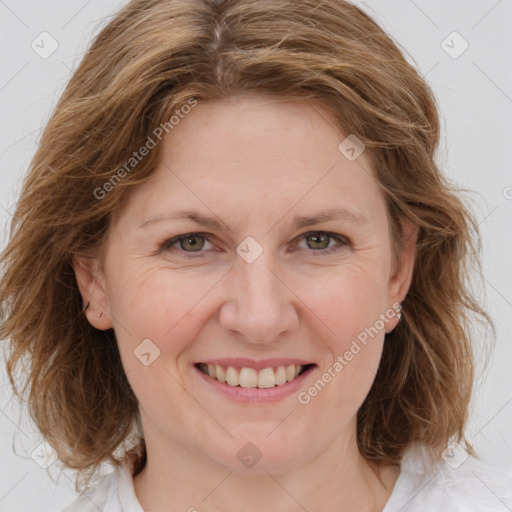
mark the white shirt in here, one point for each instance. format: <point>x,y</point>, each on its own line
<point>471,487</point>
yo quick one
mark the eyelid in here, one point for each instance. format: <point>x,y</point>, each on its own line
<point>337,236</point>
<point>342,240</point>
<point>175,239</point>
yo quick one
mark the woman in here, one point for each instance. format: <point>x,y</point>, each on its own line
<point>238,273</point>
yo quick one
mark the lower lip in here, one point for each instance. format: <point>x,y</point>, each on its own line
<point>256,395</point>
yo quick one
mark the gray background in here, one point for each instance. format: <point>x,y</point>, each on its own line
<point>474,92</point>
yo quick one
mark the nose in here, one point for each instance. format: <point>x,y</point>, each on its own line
<point>259,307</point>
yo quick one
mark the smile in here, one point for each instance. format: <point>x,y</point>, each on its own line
<point>247,377</point>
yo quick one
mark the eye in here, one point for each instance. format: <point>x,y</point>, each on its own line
<point>188,243</point>
<point>319,242</point>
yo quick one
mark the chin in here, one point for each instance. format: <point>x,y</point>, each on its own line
<point>258,450</point>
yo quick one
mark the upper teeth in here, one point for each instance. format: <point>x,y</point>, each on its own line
<point>251,378</point>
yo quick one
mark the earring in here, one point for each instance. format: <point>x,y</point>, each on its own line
<point>85,307</point>
<point>399,312</point>
<point>100,313</point>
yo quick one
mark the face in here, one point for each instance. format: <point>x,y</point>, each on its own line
<point>284,285</point>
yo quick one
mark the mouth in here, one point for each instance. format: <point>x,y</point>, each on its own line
<point>254,376</point>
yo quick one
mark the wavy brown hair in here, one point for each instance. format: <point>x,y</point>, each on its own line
<point>155,56</point>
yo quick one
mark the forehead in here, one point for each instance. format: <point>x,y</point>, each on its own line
<point>254,154</point>
<point>252,128</point>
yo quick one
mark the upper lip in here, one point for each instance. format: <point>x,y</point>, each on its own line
<point>245,362</point>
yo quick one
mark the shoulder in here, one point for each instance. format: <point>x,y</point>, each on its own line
<point>114,493</point>
<point>462,485</point>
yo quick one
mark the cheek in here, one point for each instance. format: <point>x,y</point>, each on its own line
<point>156,318</point>
<point>347,301</point>
<point>348,306</point>
<point>158,304</point>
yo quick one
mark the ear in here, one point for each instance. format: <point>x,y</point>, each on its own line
<point>91,285</point>
<point>401,278</point>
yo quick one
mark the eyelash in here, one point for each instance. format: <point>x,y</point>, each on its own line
<point>343,241</point>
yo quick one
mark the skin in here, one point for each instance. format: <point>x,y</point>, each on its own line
<point>254,163</point>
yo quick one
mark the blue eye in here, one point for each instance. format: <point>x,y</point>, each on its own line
<point>317,241</point>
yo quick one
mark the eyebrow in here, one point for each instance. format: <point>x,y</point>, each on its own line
<point>327,215</point>
<point>298,221</point>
